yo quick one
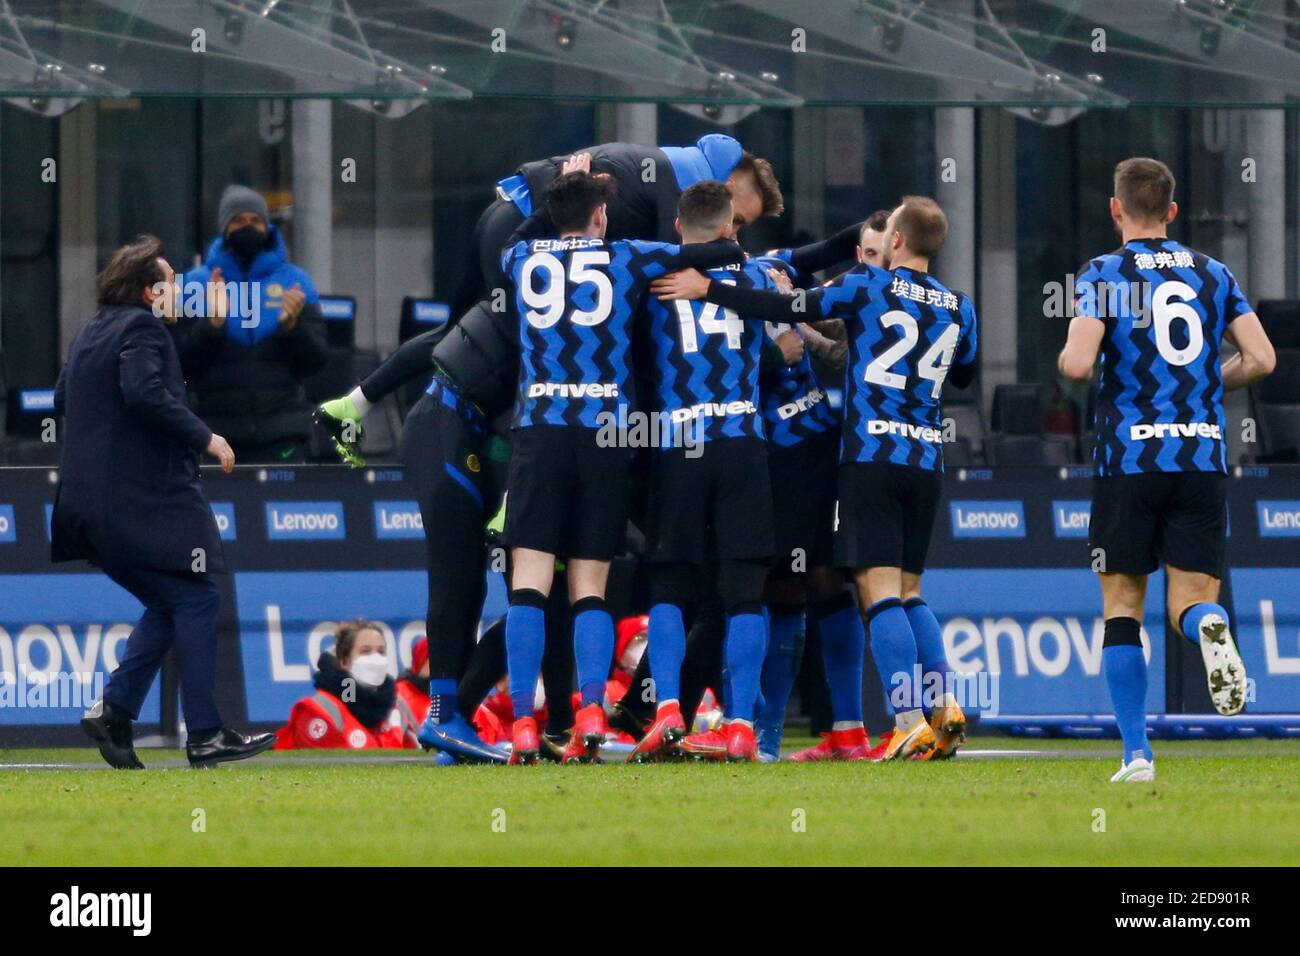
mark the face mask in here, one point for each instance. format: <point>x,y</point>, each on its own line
<point>370,669</point>
<point>245,242</point>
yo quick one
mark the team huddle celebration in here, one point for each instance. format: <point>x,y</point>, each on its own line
<point>620,369</point>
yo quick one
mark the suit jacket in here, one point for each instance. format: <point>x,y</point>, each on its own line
<point>129,490</point>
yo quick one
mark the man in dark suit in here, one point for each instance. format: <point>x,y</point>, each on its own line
<point>130,501</point>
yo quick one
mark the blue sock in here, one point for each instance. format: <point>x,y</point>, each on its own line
<point>929,648</point>
<point>442,699</point>
<point>843,646</point>
<point>1190,623</point>
<point>894,647</point>
<point>667,649</point>
<point>593,648</point>
<point>780,668</point>
<point>525,641</point>
<point>746,643</point>
<point>1126,678</point>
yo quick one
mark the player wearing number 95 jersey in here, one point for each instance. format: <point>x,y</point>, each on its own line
<point>1157,313</point>
<point>905,330</point>
<point>576,297</point>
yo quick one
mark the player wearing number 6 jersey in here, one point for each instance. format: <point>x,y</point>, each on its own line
<point>576,297</point>
<point>905,330</point>
<point>1157,313</point>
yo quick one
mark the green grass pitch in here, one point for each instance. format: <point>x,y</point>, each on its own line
<point>1214,803</point>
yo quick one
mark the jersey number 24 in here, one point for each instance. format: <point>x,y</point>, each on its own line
<point>932,367</point>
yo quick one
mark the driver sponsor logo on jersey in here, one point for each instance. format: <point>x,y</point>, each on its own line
<point>879,426</point>
<point>573,390</point>
<point>801,404</point>
<point>714,410</point>
<point>1145,432</point>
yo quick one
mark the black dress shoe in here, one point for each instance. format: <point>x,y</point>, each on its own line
<point>225,744</point>
<point>110,728</point>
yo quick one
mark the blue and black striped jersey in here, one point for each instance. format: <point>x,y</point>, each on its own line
<point>576,299</point>
<point>794,402</point>
<point>705,362</point>
<point>905,328</point>
<point>1160,393</point>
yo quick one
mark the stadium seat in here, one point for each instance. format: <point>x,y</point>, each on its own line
<point>1026,450</point>
<point>1283,386</point>
<point>27,451</point>
<point>1279,433</point>
<point>958,454</point>
<point>1281,320</point>
<point>962,405</point>
<point>339,313</point>
<point>1017,410</point>
<point>420,315</point>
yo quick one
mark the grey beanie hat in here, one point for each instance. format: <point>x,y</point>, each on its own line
<point>237,199</point>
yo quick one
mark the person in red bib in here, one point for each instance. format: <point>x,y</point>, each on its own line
<point>354,706</point>
<point>413,692</point>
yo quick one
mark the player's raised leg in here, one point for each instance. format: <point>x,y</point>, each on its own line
<point>1193,605</point>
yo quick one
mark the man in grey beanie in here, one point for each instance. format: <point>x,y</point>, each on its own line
<point>246,370</point>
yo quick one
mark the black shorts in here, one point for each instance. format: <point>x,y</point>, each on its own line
<point>566,494</point>
<point>1179,518</point>
<point>722,498</point>
<point>803,492</point>
<point>885,515</point>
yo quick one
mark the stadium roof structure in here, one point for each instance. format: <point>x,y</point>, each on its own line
<point>1047,58</point>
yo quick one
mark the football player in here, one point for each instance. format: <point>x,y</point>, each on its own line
<point>905,330</point>
<point>1157,312</point>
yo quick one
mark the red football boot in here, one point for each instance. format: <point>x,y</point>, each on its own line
<point>851,744</point>
<point>663,736</point>
<point>878,751</point>
<point>589,729</point>
<point>524,739</point>
<point>818,752</point>
<point>710,745</point>
<point>741,746</point>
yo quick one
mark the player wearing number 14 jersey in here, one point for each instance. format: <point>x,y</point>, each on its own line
<point>709,491</point>
<point>1157,313</point>
<point>576,296</point>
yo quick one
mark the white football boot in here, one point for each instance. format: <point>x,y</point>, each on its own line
<point>1138,770</point>
<point>1224,670</point>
